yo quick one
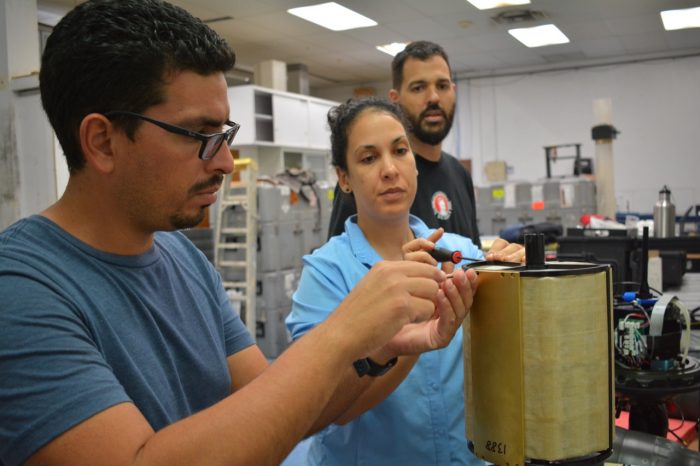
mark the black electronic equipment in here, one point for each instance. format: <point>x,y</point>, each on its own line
<point>652,365</point>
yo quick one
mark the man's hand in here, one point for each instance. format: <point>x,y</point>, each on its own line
<point>391,295</point>
<point>452,303</point>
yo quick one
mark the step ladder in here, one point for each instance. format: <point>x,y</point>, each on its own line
<point>235,237</point>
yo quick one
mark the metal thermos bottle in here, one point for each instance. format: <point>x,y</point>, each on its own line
<point>664,215</point>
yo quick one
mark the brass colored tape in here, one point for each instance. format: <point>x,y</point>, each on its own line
<point>565,340</point>
<point>493,337</point>
<point>538,366</point>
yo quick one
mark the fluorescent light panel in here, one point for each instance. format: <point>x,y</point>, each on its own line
<point>393,48</point>
<point>539,36</point>
<point>681,19</point>
<point>332,16</point>
<point>488,4</point>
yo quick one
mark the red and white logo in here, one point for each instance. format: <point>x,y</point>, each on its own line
<point>442,207</point>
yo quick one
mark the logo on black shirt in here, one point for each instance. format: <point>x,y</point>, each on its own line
<point>442,206</point>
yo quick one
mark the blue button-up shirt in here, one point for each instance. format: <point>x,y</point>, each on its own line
<point>422,422</point>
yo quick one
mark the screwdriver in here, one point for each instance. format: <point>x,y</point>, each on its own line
<point>445,255</point>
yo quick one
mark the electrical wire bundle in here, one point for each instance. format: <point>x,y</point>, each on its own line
<point>637,345</point>
<point>630,343</point>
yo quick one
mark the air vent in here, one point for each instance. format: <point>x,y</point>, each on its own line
<point>516,16</point>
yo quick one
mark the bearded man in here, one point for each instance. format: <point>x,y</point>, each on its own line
<point>423,88</point>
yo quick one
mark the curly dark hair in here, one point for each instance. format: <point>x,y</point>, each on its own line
<point>342,117</point>
<point>421,50</point>
<point>110,55</point>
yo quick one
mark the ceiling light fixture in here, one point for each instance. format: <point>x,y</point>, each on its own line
<point>488,4</point>
<point>681,19</point>
<point>332,16</point>
<point>393,48</point>
<point>539,36</point>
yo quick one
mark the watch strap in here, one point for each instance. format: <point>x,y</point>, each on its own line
<point>366,366</point>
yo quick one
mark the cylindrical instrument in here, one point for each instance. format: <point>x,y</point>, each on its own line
<point>538,351</point>
<point>604,162</point>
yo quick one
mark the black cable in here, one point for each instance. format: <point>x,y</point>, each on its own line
<point>683,442</point>
<point>680,410</point>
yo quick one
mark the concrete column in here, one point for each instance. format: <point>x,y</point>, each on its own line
<point>271,74</point>
<point>298,78</point>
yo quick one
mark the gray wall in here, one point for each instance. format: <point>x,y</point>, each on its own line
<point>655,106</point>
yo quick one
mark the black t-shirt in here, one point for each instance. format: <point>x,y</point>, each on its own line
<point>444,198</point>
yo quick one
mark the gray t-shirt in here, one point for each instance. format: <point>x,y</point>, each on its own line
<point>82,330</point>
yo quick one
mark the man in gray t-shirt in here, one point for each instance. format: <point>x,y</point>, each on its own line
<point>117,342</point>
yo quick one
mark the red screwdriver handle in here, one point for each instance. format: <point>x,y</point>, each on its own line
<point>445,255</point>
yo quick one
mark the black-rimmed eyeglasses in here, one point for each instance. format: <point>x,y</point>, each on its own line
<point>210,143</point>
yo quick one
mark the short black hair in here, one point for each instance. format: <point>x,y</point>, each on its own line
<point>341,118</point>
<point>421,50</point>
<point>110,55</point>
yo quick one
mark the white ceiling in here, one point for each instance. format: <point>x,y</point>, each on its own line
<point>600,31</point>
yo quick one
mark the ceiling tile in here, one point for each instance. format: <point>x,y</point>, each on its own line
<point>602,47</point>
<point>262,30</point>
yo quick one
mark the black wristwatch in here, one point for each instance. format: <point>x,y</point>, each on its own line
<point>366,366</point>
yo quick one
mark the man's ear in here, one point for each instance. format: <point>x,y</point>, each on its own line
<point>96,133</point>
<point>343,180</point>
<point>393,95</point>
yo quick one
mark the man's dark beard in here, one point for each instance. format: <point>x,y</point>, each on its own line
<point>180,222</point>
<point>434,135</point>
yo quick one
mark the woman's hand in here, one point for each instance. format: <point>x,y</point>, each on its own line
<point>418,250</point>
<point>453,301</point>
<point>452,304</point>
<point>502,250</point>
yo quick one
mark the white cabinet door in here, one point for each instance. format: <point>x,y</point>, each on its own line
<point>290,121</point>
<point>319,133</point>
<point>242,104</point>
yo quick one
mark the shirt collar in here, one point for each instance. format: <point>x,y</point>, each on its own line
<point>361,248</point>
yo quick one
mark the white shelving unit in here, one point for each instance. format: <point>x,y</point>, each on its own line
<point>279,130</point>
<point>282,130</point>
<point>239,237</point>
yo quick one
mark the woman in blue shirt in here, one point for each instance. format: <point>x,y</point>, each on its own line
<point>413,414</point>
